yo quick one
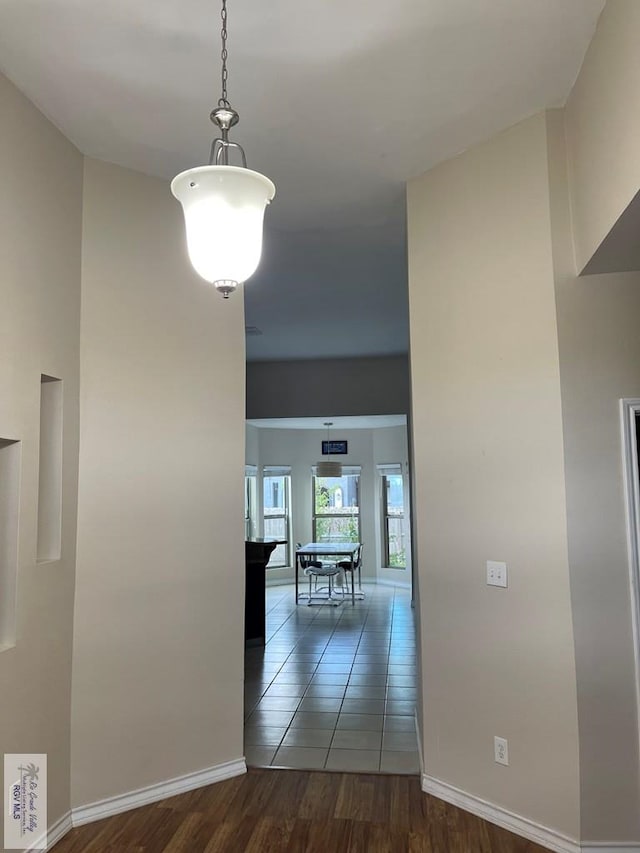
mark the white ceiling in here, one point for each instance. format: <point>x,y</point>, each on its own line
<point>340,102</point>
<point>337,423</point>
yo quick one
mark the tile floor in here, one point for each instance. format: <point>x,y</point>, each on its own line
<point>335,687</point>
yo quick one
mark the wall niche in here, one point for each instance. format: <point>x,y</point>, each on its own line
<point>49,543</point>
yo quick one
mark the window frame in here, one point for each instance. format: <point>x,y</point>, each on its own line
<point>349,471</point>
<point>386,471</point>
<point>272,472</point>
<point>250,500</point>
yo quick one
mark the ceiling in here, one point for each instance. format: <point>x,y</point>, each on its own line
<point>620,250</point>
<point>340,102</point>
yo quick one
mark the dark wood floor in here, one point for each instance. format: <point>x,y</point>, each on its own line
<point>273,811</point>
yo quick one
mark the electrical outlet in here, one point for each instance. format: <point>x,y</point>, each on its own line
<point>496,573</point>
<point>501,750</point>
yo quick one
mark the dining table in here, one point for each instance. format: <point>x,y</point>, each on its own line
<point>332,550</point>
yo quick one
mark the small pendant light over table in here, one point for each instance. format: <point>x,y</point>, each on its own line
<point>328,467</point>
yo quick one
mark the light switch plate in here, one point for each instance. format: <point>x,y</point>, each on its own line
<point>496,573</point>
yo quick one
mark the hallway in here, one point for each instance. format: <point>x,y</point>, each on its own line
<point>335,687</point>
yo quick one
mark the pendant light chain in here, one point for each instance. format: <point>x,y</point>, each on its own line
<point>223,102</point>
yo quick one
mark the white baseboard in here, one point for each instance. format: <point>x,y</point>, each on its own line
<point>54,833</point>
<point>611,846</point>
<point>501,817</point>
<point>154,793</point>
<point>388,582</point>
<point>419,741</point>
<point>59,830</point>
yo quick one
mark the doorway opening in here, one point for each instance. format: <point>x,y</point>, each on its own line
<point>630,423</point>
<point>335,685</point>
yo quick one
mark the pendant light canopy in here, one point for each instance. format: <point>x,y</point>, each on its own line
<point>224,205</point>
<point>328,467</point>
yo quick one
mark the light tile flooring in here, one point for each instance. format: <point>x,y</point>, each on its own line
<point>335,687</point>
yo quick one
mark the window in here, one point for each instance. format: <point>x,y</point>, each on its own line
<point>250,481</point>
<point>336,507</point>
<point>394,546</point>
<point>276,485</point>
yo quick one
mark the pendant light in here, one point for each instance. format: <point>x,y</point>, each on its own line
<point>223,205</point>
<point>328,468</point>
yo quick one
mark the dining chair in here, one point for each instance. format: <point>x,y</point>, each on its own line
<point>351,568</point>
<point>314,569</point>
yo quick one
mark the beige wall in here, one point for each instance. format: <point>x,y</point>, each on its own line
<point>603,128</point>
<point>488,466</point>
<point>158,645</point>
<point>599,363</point>
<point>252,445</point>
<point>319,387</point>
<point>40,212</point>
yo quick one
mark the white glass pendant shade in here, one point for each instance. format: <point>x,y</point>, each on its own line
<point>329,469</point>
<point>224,212</point>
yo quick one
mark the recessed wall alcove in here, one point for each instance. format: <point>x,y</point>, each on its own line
<point>49,545</point>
